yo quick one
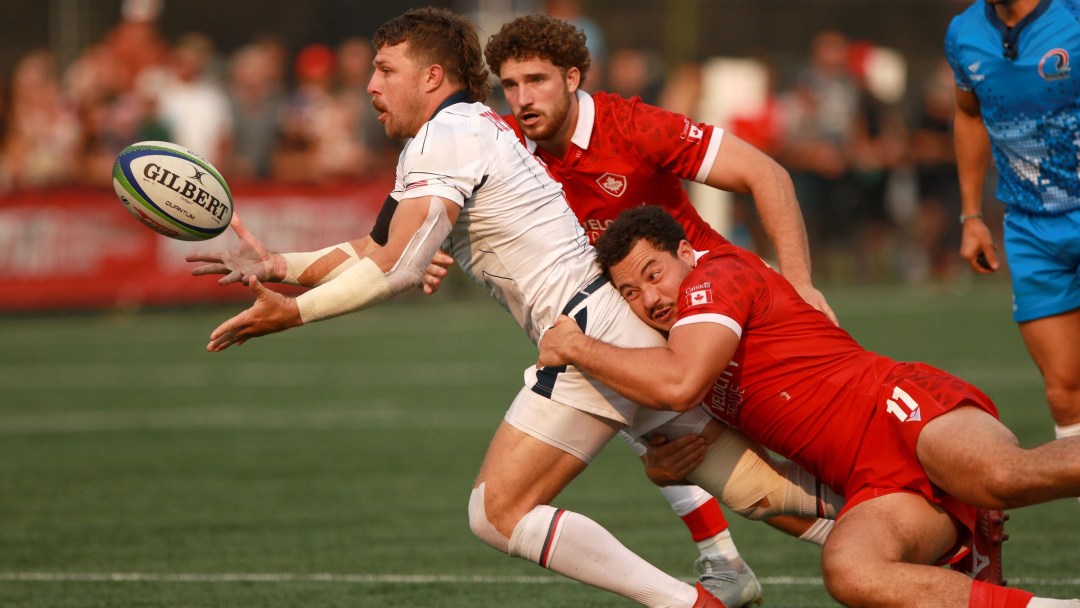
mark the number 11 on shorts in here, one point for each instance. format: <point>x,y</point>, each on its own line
<point>907,408</point>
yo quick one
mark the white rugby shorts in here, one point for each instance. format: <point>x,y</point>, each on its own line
<point>566,408</point>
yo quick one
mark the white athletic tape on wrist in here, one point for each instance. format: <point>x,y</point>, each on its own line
<point>361,285</point>
<point>313,268</point>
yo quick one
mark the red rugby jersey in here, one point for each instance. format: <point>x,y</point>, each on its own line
<point>625,153</point>
<point>797,384</point>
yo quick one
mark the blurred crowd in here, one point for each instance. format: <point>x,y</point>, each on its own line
<point>871,155</point>
<point>257,114</point>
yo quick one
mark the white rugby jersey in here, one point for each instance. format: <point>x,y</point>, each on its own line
<point>516,234</point>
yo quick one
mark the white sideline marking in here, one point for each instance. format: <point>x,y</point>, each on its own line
<point>412,579</point>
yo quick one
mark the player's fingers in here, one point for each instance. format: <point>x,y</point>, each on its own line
<point>238,226</point>
<point>230,278</point>
<point>825,308</point>
<point>204,256</point>
<point>442,258</point>
<point>209,269</point>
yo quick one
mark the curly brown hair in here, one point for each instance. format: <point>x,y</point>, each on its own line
<point>541,37</point>
<point>438,36</point>
<point>648,222</point>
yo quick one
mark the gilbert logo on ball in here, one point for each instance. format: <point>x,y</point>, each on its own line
<point>172,190</point>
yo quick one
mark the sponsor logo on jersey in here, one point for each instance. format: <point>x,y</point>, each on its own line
<point>691,132</point>
<point>613,184</point>
<point>698,297</point>
<point>725,399</point>
<point>1054,65</point>
<point>417,184</point>
<point>974,69</point>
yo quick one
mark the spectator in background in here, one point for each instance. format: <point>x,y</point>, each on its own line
<point>354,67</point>
<point>43,130</point>
<point>821,110</point>
<point>634,73</point>
<point>257,103</point>
<point>317,143</point>
<point>877,148</point>
<point>192,102</point>
<point>136,44</point>
<point>571,11</point>
<point>936,231</point>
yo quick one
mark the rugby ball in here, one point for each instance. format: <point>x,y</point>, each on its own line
<point>172,190</point>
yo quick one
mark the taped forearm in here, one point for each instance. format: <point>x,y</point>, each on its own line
<point>317,267</point>
<point>360,286</point>
<point>363,284</point>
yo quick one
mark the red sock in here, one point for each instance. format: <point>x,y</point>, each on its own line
<point>985,595</point>
<point>706,521</point>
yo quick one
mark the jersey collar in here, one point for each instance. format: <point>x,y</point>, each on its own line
<point>1010,36</point>
<point>459,97</point>
<point>586,118</point>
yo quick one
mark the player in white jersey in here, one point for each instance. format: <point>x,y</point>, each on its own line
<point>464,177</point>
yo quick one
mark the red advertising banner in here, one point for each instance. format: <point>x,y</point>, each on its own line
<point>80,249</point>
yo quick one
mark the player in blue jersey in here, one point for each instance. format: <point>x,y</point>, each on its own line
<point>1018,100</point>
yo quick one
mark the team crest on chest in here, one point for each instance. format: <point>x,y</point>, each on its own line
<point>1054,65</point>
<point>613,184</point>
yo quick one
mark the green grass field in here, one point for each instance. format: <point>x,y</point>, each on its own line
<point>331,465</point>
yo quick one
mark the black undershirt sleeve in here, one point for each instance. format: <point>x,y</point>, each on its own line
<point>380,233</point>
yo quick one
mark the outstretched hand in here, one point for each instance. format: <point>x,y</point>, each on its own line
<point>556,341</point>
<point>669,462</point>
<point>271,312</point>
<point>248,258</point>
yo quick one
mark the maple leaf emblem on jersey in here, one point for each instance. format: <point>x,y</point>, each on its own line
<point>613,184</point>
<point>699,296</point>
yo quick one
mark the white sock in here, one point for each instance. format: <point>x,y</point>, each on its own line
<point>1071,430</point>
<point>575,546</point>
<point>721,545</point>
<point>1045,602</point>
<point>818,532</point>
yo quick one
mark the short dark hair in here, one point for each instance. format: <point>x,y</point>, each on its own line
<point>647,222</point>
<point>539,37</point>
<point>439,36</point>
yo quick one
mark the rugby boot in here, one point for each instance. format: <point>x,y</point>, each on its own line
<point>734,583</point>
<point>983,562</point>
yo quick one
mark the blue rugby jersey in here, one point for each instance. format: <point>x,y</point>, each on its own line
<point>1029,97</point>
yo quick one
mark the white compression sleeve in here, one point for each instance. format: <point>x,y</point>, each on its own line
<point>363,284</point>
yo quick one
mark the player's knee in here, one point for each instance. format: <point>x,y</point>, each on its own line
<point>1064,398</point>
<point>481,526</point>
<point>849,581</point>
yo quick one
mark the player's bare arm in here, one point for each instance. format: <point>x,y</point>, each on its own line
<point>672,378</point>
<point>972,161</point>
<point>419,225</point>
<point>740,167</point>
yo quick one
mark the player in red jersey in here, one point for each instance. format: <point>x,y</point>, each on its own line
<point>611,154</point>
<point>882,433</point>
